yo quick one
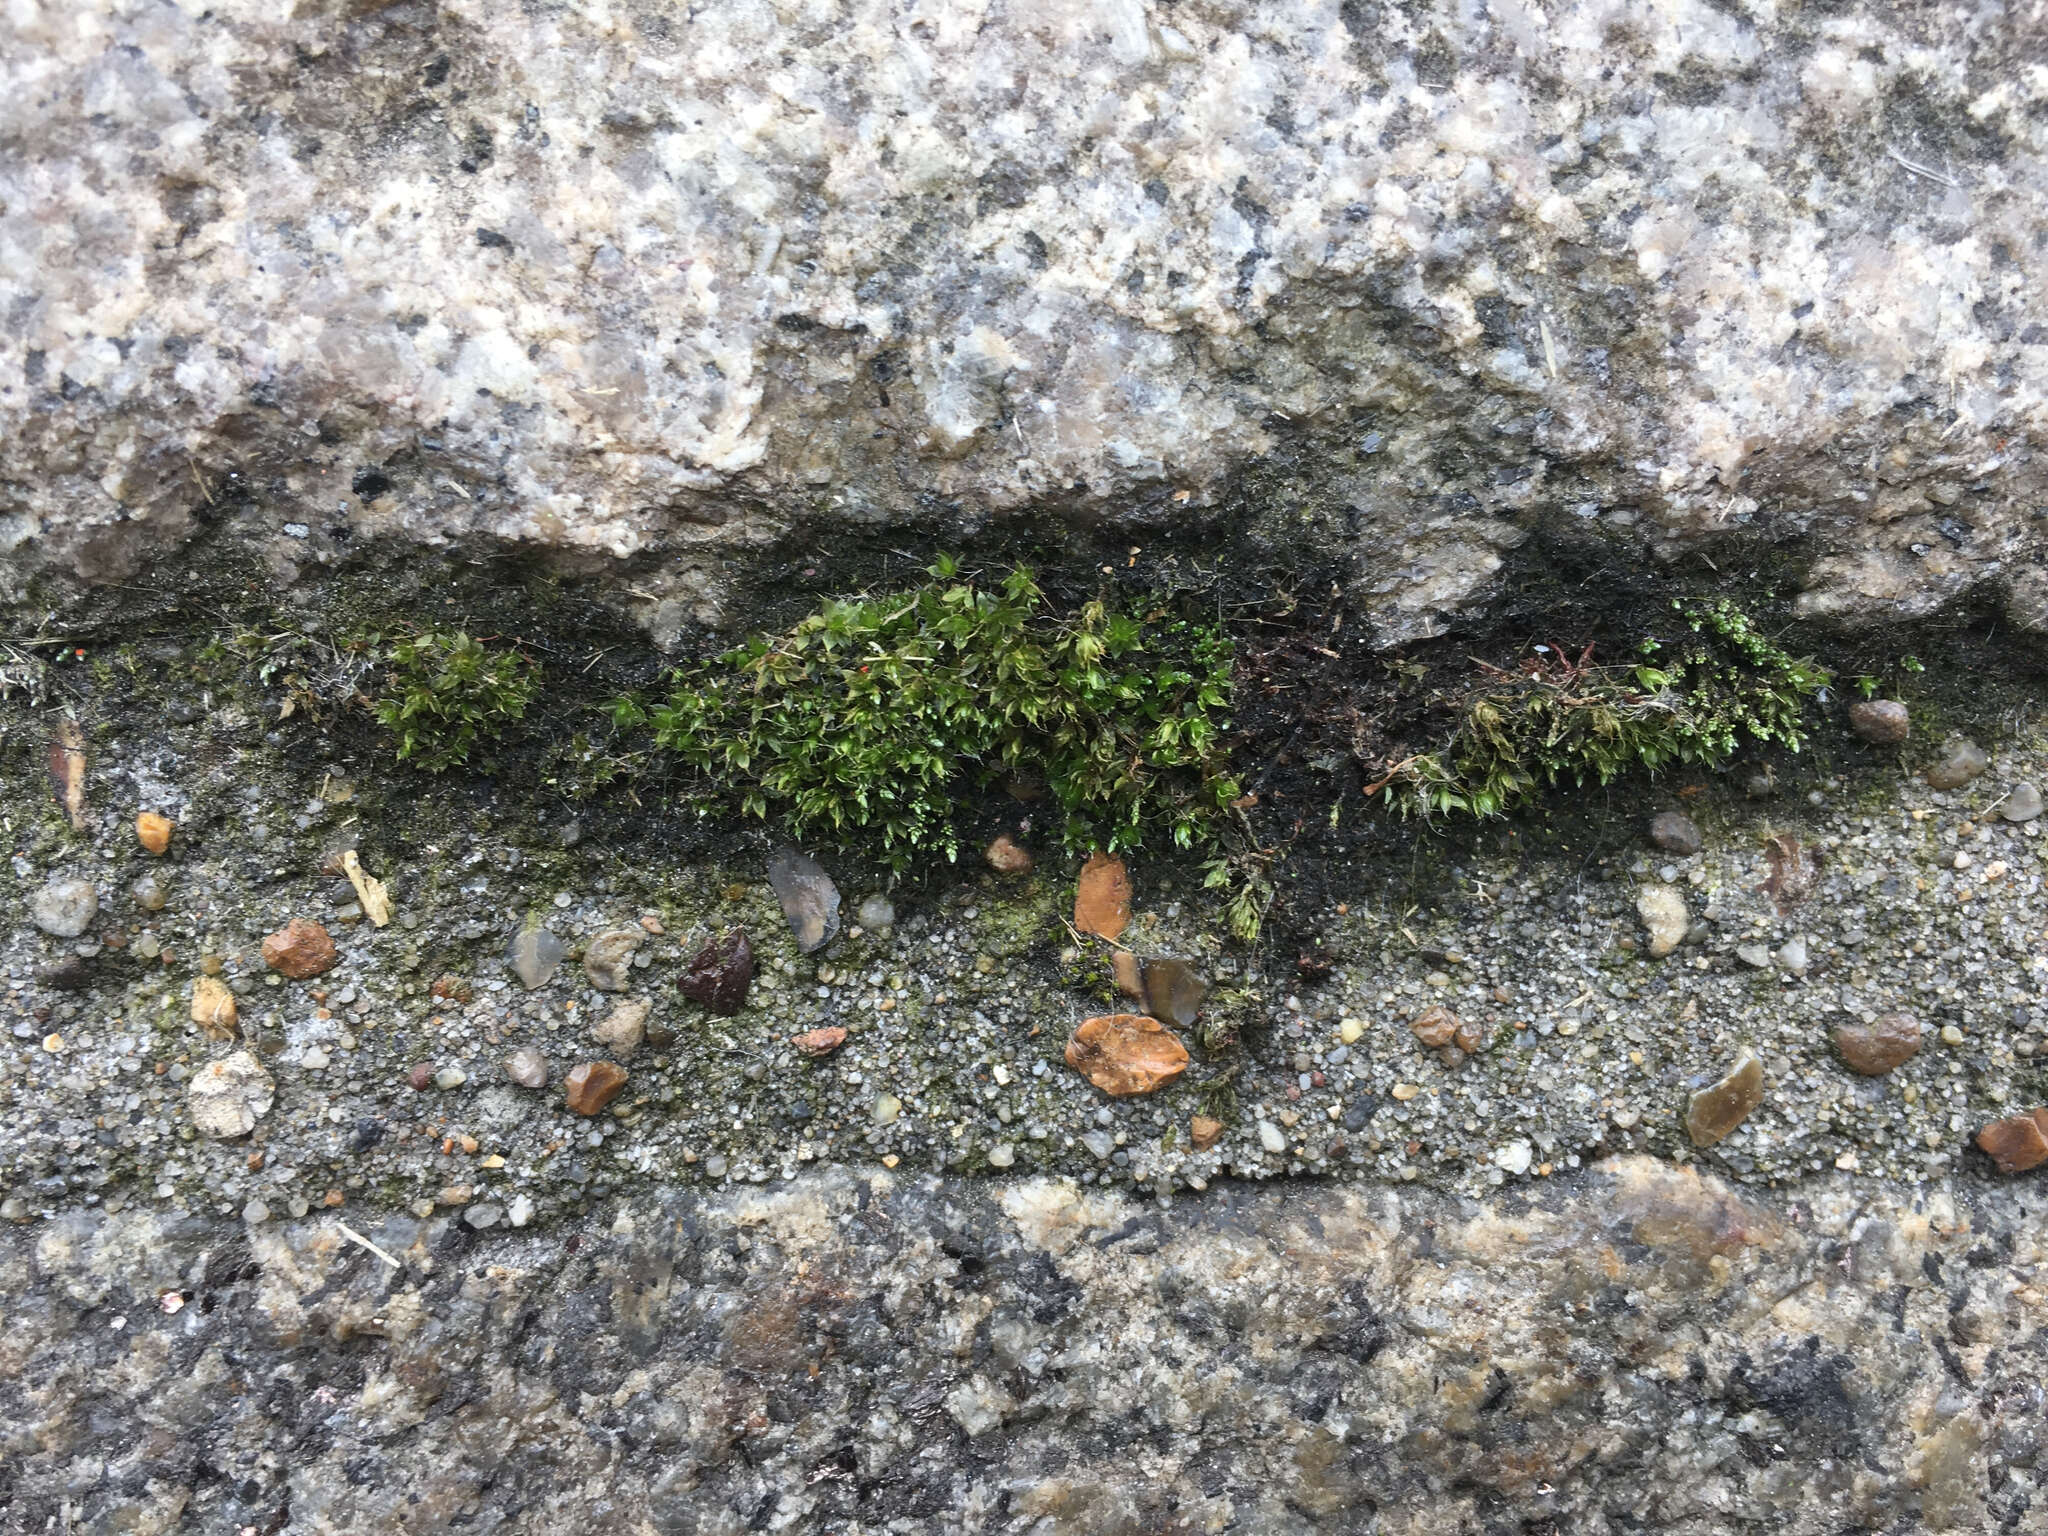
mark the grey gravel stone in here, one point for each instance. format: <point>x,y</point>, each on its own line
<point>2022,803</point>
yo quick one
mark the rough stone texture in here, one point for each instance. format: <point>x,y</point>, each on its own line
<point>619,282</point>
<point>720,974</point>
<point>1676,832</point>
<point>608,958</point>
<point>1638,1349</point>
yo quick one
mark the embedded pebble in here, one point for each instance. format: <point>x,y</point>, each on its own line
<point>608,958</point>
<point>1884,722</point>
<point>301,949</point>
<point>483,1215</point>
<point>720,974</point>
<point>1664,916</point>
<point>1126,1053</point>
<point>1002,1155</point>
<point>810,901</point>
<point>621,1030</point>
<point>527,1067</point>
<point>213,1007</point>
<point>1270,1137</point>
<point>153,832</point>
<point>450,1077</point>
<point>2023,804</point>
<point>65,908</point>
<point>1129,974</point>
<point>1676,832</point>
<point>1716,1110</point>
<point>149,893</point>
<point>876,913</point>
<point>886,1108</point>
<point>1884,1044</point>
<point>2017,1143</point>
<point>534,954</point>
<point>1102,897</point>
<point>1793,956</point>
<point>1173,991</point>
<point>820,1042</point>
<point>592,1085</point>
<point>1755,956</point>
<point>1960,762</point>
<point>1204,1132</point>
<point>227,1097</point>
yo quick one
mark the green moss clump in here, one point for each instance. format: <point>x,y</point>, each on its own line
<point>1559,720</point>
<point>881,716</point>
<point>444,692</point>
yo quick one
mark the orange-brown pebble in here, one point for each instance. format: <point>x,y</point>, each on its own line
<point>1126,1053</point>
<point>1204,1132</point>
<point>153,831</point>
<point>1129,979</point>
<point>591,1086</point>
<point>1102,898</point>
<point>820,1042</point>
<point>300,949</point>
<point>2017,1143</point>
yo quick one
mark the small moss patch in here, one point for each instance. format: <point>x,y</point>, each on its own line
<point>882,716</point>
<point>1558,719</point>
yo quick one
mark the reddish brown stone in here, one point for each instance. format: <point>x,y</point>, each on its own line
<point>1886,1042</point>
<point>1102,899</point>
<point>721,974</point>
<point>591,1086</point>
<point>453,989</point>
<point>2018,1143</point>
<point>1204,1132</point>
<point>421,1076</point>
<point>1126,1053</point>
<point>820,1042</point>
<point>1008,857</point>
<point>1435,1027</point>
<point>301,948</point>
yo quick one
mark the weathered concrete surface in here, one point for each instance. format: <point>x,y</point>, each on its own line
<point>1397,282</point>
<point>1642,1350</point>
